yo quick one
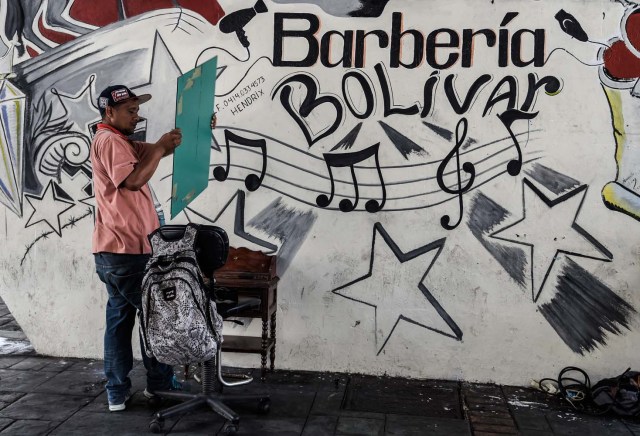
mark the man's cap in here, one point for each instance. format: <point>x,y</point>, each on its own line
<point>116,94</point>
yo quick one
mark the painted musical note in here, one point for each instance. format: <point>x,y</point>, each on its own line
<point>252,181</point>
<point>468,167</point>
<point>508,117</point>
<point>350,160</point>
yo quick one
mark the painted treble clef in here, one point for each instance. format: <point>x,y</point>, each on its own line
<point>468,167</point>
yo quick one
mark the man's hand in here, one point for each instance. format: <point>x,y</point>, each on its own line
<point>169,141</point>
<point>214,121</point>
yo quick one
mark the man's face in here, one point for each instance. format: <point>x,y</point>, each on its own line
<point>124,116</point>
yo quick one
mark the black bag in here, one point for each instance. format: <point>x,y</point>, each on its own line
<point>620,395</point>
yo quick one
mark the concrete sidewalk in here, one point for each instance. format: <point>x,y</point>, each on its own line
<point>53,396</point>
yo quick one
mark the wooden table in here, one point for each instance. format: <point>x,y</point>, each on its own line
<point>253,274</point>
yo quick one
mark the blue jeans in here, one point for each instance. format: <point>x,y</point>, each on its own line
<point>122,274</point>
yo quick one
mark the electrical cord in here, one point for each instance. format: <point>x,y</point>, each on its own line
<point>576,392</point>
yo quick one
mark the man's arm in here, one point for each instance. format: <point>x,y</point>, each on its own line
<point>147,166</point>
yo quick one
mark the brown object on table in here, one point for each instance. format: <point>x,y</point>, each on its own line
<point>252,274</point>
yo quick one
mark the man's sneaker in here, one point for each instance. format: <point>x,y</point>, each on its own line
<point>121,406</point>
<point>175,386</point>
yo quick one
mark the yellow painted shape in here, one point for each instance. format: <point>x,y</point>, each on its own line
<point>619,133</point>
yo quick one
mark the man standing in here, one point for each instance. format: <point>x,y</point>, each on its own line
<point>125,216</point>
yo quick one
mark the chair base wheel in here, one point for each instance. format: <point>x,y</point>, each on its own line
<point>229,428</point>
<point>156,425</point>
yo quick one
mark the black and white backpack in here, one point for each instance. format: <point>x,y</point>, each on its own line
<point>179,322</point>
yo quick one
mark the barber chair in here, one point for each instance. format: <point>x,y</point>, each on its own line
<point>212,248</point>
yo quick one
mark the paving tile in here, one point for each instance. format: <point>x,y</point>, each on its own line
<point>533,398</point>
<point>284,403</point>
<point>267,426</point>
<point>481,389</point>
<point>531,419</point>
<point>492,400</point>
<point>634,426</point>
<point>318,381</point>
<point>199,424</point>
<point>404,425</point>
<point>63,363</point>
<point>358,414</point>
<point>10,397</point>
<point>106,424</point>
<point>87,383</point>
<point>489,420</point>
<point>530,432</point>
<point>22,381</point>
<point>4,422</point>
<point>485,433</point>
<point>567,423</point>
<point>34,363</point>
<point>327,403</point>
<point>7,361</point>
<point>491,414</point>
<point>29,427</point>
<point>44,406</point>
<point>359,426</point>
<point>403,397</point>
<point>87,365</point>
<point>500,429</point>
<point>320,425</point>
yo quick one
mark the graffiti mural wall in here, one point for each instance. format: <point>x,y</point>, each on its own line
<point>452,187</point>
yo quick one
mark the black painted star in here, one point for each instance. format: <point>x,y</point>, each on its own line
<point>394,287</point>
<point>548,227</point>
<point>48,208</point>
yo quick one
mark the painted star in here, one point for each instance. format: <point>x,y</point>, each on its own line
<point>161,85</point>
<point>237,222</point>
<point>80,108</point>
<point>394,287</point>
<point>48,208</point>
<point>91,203</point>
<point>548,227</point>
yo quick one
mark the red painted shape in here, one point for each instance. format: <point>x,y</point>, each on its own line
<point>620,62</point>
<point>103,12</point>
<point>632,27</point>
<point>32,52</point>
<point>95,13</point>
<point>100,13</point>
<point>53,35</point>
<point>210,9</point>
<point>137,7</point>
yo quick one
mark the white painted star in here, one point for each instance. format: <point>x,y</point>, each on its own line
<point>48,208</point>
<point>549,229</point>
<point>161,111</point>
<point>394,288</point>
<point>79,109</point>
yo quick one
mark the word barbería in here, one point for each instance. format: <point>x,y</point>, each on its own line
<point>441,48</point>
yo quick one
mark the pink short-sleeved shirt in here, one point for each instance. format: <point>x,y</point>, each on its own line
<point>124,218</point>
